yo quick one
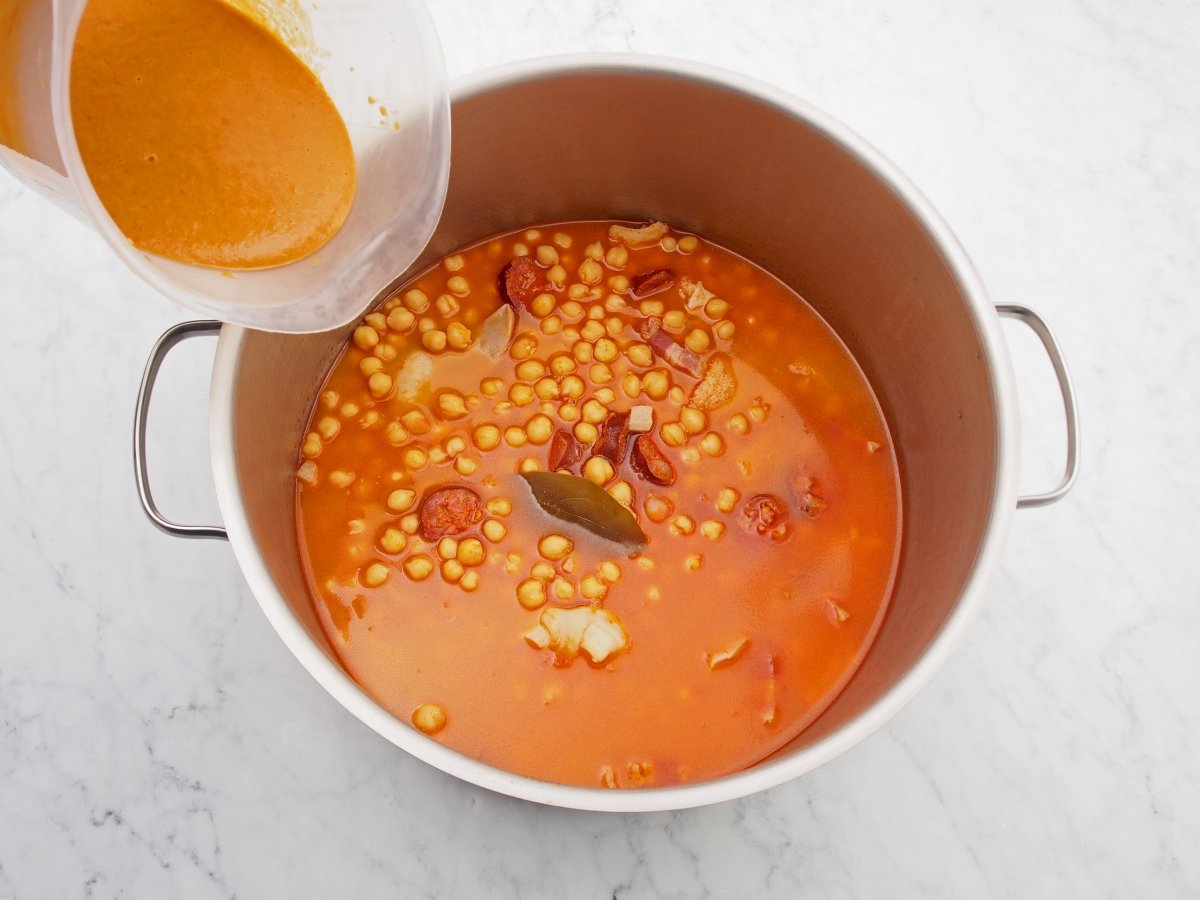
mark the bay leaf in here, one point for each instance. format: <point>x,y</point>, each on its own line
<point>584,503</point>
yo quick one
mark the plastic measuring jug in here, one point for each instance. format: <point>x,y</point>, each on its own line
<point>381,64</point>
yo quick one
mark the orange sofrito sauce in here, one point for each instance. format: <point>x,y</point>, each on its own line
<point>207,140</point>
<point>769,551</point>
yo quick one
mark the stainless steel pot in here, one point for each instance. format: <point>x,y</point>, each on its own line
<point>766,175</point>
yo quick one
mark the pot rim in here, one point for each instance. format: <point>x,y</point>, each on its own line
<point>765,775</point>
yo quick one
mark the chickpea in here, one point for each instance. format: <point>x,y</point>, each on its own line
<point>458,285</point>
<point>716,308</point>
<point>697,340</point>
<point>622,492</point>
<point>595,311</point>
<point>590,271</point>
<point>690,455</point>
<point>531,593</point>
<point>370,365</point>
<point>610,571</point>
<point>555,546</point>
<point>758,412</point>
<point>491,386</point>
<point>425,324</point>
<point>365,337</point>
<point>683,525</point>
<point>311,448</point>
<point>447,305</point>
<point>688,243</point>
<point>393,541</point>
<point>582,351</point>
<point>658,508</point>
<point>594,251</point>
<point>592,330</point>
<point>542,305</point>
<point>568,412</point>
<point>464,465</point>
<point>531,370</point>
<point>486,436</point>
<point>374,575</point>
<point>434,340</point>
<point>605,395</point>
<point>452,570</point>
<point>542,571</point>
<point>563,589</point>
<point>523,347</point>
<point>594,411</point>
<point>617,257</point>
<point>599,470</point>
<point>533,235</point>
<point>586,432</point>
<point>572,309</point>
<point>669,244</point>
<point>572,387</point>
<point>539,429</point>
<point>593,588</point>
<point>307,472</point>
<point>606,351</point>
<point>469,581</point>
<point>395,434</point>
<point>673,434</point>
<point>415,459</point>
<point>499,506</point>
<point>519,249</point>
<point>651,307</point>
<point>692,419</point>
<point>521,394</point>
<point>401,320</point>
<point>458,336</point>
<point>401,500</point>
<point>418,567</point>
<point>528,464</point>
<point>727,500</point>
<point>712,445</point>
<point>739,424</point>
<point>341,479</point>
<point>600,373</point>
<point>561,364</point>
<point>349,410</point>
<point>656,383</point>
<point>557,276</point>
<point>447,548</point>
<point>410,524</point>
<point>724,329</point>
<point>712,529</point>
<point>546,389</point>
<point>386,352</point>
<point>501,407</point>
<point>546,255</point>
<point>494,530</point>
<point>515,436</point>
<point>693,563</point>
<point>330,399</point>
<point>453,263</point>
<point>429,718</point>
<point>417,301</point>
<point>631,385</point>
<point>471,552</point>
<point>452,405</point>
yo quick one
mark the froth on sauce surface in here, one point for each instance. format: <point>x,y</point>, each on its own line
<point>206,138</point>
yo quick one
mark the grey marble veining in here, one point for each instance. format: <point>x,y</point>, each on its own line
<point>157,739</point>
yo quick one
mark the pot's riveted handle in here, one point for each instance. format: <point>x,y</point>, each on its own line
<point>1036,324</point>
<point>172,336</point>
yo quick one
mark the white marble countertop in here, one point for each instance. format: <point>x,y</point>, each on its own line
<point>158,740</point>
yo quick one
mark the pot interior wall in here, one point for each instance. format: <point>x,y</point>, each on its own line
<point>637,145</point>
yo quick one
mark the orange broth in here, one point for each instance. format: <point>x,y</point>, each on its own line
<point>206,138</point>
<point>736,640</point>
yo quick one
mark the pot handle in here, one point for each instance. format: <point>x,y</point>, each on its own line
<point>172,336</point>
<point>1028,317</point>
